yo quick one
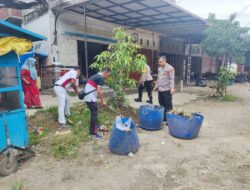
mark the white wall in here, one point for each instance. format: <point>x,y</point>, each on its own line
<point>41,26</point>
<point>65,52</point>
<point>74,23</point>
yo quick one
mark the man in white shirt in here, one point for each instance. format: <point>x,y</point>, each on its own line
<point>61,90</point>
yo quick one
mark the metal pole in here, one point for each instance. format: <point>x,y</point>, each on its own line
<point>152,52</point>
<point>86,42</point>
<point>189,61</point>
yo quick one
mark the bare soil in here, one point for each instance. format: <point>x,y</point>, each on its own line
<point>219,159</point>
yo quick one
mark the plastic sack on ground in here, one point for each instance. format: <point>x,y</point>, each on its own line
<point>18,45</point>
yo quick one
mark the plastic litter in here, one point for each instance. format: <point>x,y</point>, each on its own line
<point>131,155</point>
<point>123,126</point>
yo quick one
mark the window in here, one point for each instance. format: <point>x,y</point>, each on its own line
<point>154,44</point>
<point>8,77</point>
<point>141,41</point>
<point>147,42</point>
<point>9,101</point>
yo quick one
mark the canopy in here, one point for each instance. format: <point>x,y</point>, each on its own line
<point>20,4</point>
<point>159,16</point>
<point>8,29</point>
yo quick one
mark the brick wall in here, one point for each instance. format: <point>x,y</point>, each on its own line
<point>6,12</point>
<point>3,13</point>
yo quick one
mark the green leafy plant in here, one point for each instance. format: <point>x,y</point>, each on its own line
<point>33,138</point>
<point>18,185</point>
<point>225,76</point>
<point>123,58</point>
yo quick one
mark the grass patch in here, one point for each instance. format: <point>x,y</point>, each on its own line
<point>54,113</point>
<point>228,98</point>
<point>65,146</point>
<point>18,185</point>
<point>33,138</point>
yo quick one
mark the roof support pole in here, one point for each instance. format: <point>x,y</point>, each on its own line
<point>86,42</point>
<point>189,61</point>
<point>152,52</point>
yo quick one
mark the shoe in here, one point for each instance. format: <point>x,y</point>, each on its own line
<point>150,101</point>
<point>138,100</point>
<point>96,137</point>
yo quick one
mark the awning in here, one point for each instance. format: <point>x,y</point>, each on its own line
<point>158,16</point>
<point>8,29</point>
<point>20,4</point>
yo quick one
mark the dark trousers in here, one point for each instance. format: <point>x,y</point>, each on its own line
<point>148,86</point>
<point>93,117</point>
<point>165,100</point>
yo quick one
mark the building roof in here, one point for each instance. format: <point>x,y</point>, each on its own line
<point>8,29</point>
<point>20,4</point>
<point>159,16</point>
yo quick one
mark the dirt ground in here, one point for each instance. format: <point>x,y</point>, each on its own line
<point>218,160</point>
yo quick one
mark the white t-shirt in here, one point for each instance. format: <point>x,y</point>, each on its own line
<point>65,80</point>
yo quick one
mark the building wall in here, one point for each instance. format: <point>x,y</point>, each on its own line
<point>7,12</point>
<point>42,26</point>
<point>172,46</point>
<point>71,29</point>
<point>11,15</point>
<point>208,64</point>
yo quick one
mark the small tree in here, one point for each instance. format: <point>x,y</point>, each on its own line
<point>123,58</point>
<point>225,76</point>
<point>226,39</point>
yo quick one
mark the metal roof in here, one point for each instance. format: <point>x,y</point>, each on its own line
<point>159,16</point>
<point>20,4</point>
<point>8,29</point>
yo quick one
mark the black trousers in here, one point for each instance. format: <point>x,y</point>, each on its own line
<point>93,117</point>
<point>149,88</point>
<point>165,100</point>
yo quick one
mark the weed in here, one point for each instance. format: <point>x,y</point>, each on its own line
<point>33,138</point>
<point>65,146</point>
<point>72,94</point>
<point>53,112</point>
<point>229,98</point>
<point>18,185</point>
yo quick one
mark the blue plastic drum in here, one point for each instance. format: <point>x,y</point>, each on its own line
<point>182,127</point>
<point>124,142</point>
<point>151,117</point>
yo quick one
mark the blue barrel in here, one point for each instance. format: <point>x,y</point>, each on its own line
<point>151,117</point>
<point>124,142</point>
<point>182,127</point>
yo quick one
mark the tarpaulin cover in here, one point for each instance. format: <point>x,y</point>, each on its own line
<point>18,45</point>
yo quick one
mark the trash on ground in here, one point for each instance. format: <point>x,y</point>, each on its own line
<point>131,155</point>
<point>62,132</point>
<point>39,132</point>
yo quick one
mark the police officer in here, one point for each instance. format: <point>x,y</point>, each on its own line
<point>165,85</point>
<point>146,81</point>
